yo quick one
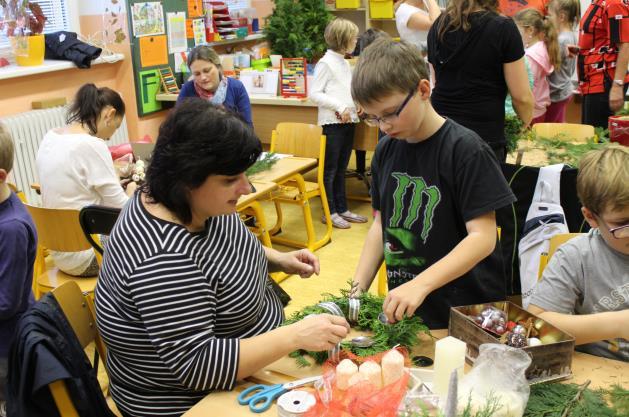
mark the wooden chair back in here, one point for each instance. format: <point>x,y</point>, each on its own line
<point>566,131</point>
<point>298,139</point>
<point>81,314</point>
<point>59,229</point>
<point>20,194</point>
<point>559,240</point>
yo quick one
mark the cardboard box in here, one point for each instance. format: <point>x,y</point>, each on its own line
<point>550,361</point>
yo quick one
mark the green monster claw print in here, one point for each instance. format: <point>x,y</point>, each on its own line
<point>413,201</point>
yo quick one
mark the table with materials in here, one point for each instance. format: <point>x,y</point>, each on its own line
<point>601,372</point>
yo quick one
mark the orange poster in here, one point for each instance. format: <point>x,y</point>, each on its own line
<point>195,8</point>
<point>189,29</point>
<point>153,51</point>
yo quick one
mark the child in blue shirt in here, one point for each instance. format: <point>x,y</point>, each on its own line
<point>18,244</point>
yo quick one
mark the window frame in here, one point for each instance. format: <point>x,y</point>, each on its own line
<point>72,18</point>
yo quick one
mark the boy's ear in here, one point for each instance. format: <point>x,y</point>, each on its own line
<point>3,175</point>
<point>423,89</point>
<point>589,217</point>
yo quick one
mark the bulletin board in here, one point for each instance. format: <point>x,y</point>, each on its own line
<point>160,34</point>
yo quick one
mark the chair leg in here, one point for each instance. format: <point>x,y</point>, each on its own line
<point>382,280</point>
<point>278,223</point>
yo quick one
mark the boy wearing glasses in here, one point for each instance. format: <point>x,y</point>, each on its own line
<point>436,186</point>
<point>585,287</point>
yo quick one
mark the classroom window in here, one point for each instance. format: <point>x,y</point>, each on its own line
<point>57,12</point>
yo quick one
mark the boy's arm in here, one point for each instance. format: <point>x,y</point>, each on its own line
<point>476,246</point>
<point>13,267</point>
<point>371,256</point>
<point>588,328</point>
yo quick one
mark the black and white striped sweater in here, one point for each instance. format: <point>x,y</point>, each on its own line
<point>172,305</point>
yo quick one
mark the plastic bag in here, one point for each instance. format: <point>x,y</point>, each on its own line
<point>360,400</point>
<point>124,165</point>
<point>498,375</point>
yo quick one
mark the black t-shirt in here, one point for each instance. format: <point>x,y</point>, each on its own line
<point>470,86</point>
<point>425,193</point>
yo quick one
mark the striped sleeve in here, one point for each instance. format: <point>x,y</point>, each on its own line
<point>178,308</point>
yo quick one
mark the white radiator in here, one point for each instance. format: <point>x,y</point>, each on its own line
<point>28,130</point>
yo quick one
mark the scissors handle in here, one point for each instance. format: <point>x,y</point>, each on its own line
<point>259,397</point>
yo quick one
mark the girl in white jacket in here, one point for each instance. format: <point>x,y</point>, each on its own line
<point>338,116</point>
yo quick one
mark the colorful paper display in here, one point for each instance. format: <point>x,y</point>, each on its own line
<point>153,51</point>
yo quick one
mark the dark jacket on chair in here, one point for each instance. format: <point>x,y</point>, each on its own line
<point>45,350</point>
<point>65,45</point>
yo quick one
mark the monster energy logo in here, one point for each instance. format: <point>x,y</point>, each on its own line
<point>419,188</point>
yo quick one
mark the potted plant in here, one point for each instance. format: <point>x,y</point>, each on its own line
<point>24,22</point>
<point>295,29</point>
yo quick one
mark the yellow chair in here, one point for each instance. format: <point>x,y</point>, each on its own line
<point>383,287</point>
<point>58,230</point>
<point>20,194</point>
<point>566,131</point>
<point>80,313</point>
<point>555,242</point>
<point>305,140</point>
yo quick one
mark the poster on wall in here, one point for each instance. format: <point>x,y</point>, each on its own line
<point>149,83</point>
<point>153,51</point>
<point>181,62</point>
<point>147,19</point>
<point>198,30</point>
<point>177,41</point>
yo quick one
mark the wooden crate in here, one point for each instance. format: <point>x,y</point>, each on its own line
<point>550,361</point>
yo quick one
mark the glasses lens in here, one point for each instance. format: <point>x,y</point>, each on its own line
<point>622,232</point>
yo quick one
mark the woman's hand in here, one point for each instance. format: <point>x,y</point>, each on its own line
<point>302,262</point>
<point>319,332</point>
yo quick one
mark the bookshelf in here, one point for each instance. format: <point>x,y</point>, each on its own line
<point>361,17</point>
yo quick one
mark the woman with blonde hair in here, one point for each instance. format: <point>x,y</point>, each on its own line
<point>542,51</point>
<point>477,56</point>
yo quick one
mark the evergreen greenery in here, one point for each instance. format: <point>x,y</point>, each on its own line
<point>513,132</point>
<point>404,333</point>
<point>295,29</point>
<point>263,164</point>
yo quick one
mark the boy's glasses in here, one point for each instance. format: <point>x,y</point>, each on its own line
<point>388,118</point>
<point>619,232</point>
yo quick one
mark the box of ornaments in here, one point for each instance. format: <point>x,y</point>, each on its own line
<point>504,322</point>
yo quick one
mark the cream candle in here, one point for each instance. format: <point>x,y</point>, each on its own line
<point>449,355</point>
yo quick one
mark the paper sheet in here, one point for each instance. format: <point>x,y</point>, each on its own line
<point>198,29</point>
<point>149,87</point>
<point>147,18</point>
<point>177,41</point>
<point>195,8</point>
<point>153,51</point>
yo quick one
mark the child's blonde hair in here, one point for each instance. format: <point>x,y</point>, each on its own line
<point>6,149</point>
<point>339,34</point>
<point>602,182</point>
<point>540,24</point>
<point>571,8</point>
<point>387,67</point>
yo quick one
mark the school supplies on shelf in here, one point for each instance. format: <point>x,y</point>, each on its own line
<point>293,76</point>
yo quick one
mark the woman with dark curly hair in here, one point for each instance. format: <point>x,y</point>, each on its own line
<point>183,302</point>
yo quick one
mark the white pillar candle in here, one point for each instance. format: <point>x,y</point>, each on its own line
<point>449,355</point>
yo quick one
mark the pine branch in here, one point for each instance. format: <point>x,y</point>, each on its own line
<point>576,399</point>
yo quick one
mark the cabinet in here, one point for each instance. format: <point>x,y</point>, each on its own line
<point>361,17</point>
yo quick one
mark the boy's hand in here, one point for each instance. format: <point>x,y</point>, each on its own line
<point>404,300</point>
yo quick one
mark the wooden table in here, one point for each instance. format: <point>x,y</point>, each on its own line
<point>602,372</point>
<point>285,168</point>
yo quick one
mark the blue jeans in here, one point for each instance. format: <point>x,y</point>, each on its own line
<point>338,149</point>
